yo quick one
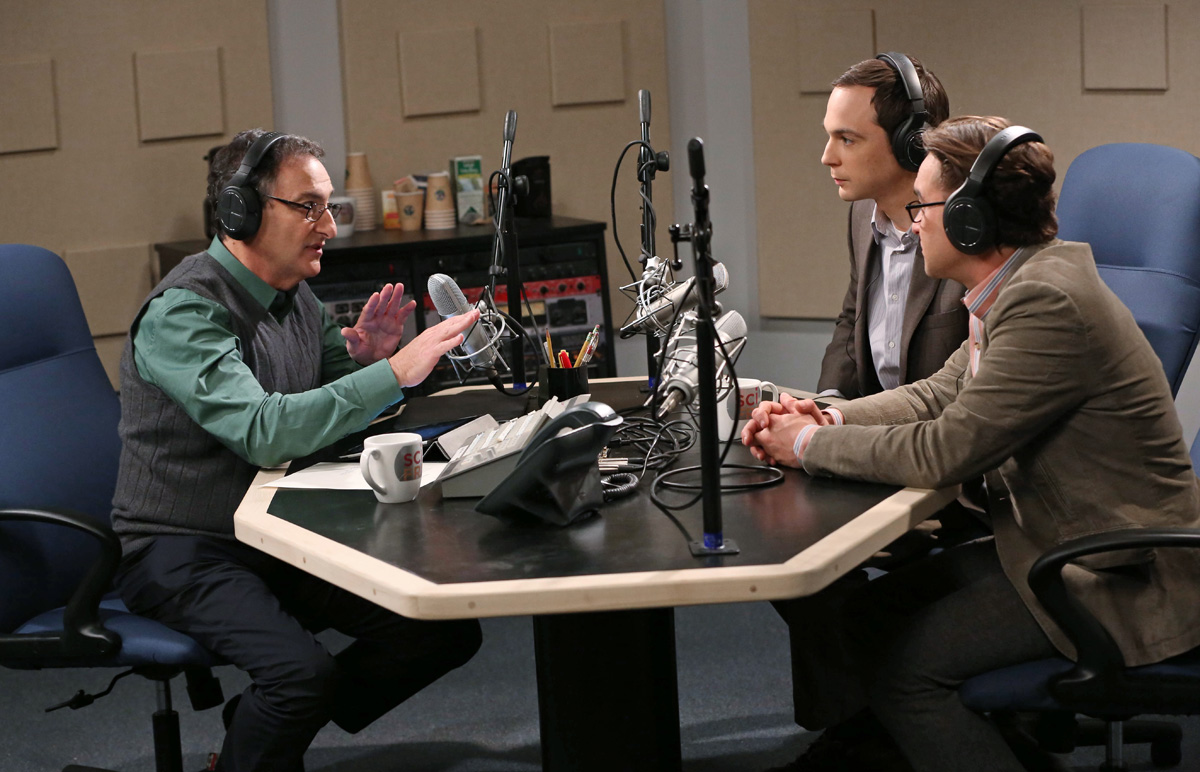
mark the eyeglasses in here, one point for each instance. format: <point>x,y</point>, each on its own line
<point>914,208</point>
<point>312,212</point>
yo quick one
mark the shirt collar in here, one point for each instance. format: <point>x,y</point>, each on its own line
<point>980,298</point>
<point>882,228</point>
<point>278,302</point>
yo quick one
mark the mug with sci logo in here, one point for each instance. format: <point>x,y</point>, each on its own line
<point>391,465</point>
<point>736,408</point>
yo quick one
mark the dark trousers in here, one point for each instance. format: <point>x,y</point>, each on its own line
<point>903,644</point>
<point>261,614</point>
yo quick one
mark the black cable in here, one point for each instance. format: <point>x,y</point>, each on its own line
<point>612,200</point>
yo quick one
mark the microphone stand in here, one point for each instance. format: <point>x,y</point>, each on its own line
<point>649,163</point>
<point>714,542</point>
<point>504,245</point>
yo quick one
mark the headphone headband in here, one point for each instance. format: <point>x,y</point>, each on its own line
<point>907,144</point>
<point>995,150</point>
<point>253,157</point>
<point>908,76</point>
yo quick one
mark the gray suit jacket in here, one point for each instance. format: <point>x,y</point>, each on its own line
<point>935,320</point>
<point>1071,418</point>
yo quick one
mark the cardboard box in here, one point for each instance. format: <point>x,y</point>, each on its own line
<point>467,175</point>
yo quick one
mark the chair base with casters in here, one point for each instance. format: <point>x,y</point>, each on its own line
<point>115,638</point>
<point>1098,684</point>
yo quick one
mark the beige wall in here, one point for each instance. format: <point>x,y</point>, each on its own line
<point>571,70</point>
<point>1027,60</point>
<point>106,111</point>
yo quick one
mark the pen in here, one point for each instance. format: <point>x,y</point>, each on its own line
<point>583,349</point>
<point>564,359</point>
<point>587,355</point>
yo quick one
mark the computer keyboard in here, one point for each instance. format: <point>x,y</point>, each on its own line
<point>479,466</point>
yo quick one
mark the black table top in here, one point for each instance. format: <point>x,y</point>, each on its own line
<point>447,541</point>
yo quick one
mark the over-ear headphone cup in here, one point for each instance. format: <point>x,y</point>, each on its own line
<point>908,144</point>
<point>239,212</point>
<point>969,224</point>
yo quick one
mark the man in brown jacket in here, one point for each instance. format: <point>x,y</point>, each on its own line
<point>1058,399</point>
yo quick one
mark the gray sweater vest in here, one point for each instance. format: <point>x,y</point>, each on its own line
<point>175,477</point>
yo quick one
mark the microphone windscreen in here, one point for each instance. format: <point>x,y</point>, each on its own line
<point>447,297</point>
<point>696,157</point>
<point>720,277</point>
<point>732,326</point>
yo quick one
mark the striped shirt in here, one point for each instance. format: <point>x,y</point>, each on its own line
<point>979,300</point>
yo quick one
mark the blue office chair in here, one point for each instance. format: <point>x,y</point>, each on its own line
<point>1098,684</point>
<point>1138,205</point>
<point>58,468</point>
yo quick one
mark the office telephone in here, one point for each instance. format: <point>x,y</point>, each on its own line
<point>557,477</point>
<point>479,465</point>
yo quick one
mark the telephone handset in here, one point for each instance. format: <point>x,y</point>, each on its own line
<point>557,477</point>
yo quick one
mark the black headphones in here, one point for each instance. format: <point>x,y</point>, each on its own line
<point>968,219</point>
<point>239,208</point>
<point>907,145</point>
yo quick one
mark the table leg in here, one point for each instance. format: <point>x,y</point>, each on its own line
<point>608,696</point>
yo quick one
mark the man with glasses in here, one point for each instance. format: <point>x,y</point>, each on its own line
<point>233,364</point>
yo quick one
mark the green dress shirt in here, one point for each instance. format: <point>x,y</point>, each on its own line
<point>185,345</point>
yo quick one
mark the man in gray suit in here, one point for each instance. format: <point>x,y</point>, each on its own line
<point>1059,400</point>
<point>897,324</point>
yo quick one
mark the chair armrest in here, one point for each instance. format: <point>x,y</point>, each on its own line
<point>1100,667</point>
<point>83,634</point>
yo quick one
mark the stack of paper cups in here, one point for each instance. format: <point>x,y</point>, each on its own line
<point>439,202</point>
<point>361,188</point>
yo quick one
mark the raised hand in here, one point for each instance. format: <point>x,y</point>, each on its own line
<point>377,332</point>
<point>413,363</point>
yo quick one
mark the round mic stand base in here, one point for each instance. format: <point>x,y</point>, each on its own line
<point>713,547</point>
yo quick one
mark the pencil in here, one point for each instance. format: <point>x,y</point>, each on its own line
<point>549,348</point>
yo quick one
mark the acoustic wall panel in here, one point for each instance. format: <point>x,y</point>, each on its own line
<point>112,283</point>
<point>827,39</point>
<point>28,117</point>
<point>439,71</point>
<point>110,348</point>
<point>179,94</point>
<point>587,63</point>
<point>621,49</point>
<point>1124,47</point>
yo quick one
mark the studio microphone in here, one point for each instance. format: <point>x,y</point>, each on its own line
<point>681,376</point>
<point>449,301</point>
<point>662,307</point>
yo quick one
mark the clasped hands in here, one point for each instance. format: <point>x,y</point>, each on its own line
<point>773,427</point>
<point>376,335</point>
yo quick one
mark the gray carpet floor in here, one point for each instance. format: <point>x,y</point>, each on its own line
<point>734,703</point>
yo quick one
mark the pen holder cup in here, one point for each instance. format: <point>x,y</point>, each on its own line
<point>561,382</point>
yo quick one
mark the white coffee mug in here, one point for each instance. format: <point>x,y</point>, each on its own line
<point>736,408</point>
<point>345,218</point>
<point>391,465</point>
